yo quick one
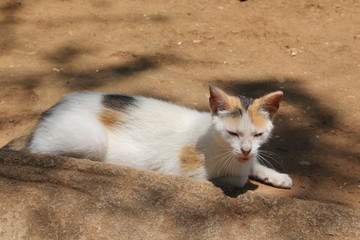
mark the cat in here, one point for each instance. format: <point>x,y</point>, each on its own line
<point>147,133</point>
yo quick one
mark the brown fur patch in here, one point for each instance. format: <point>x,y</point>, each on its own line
<point>18,144</point>
<point>257,118</point>
<point>22,143</point>
<point>110,118</point>
<point>190,159</point>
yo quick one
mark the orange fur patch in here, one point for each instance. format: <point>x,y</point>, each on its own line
<point>110,118</point>
<point>190,159</point>
<point>235,103</point>
<point>257,118</point>
<point>234,106</point>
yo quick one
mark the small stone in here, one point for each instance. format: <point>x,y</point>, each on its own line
<point>294,52</point>
<point>242,60</point>
<point>196,41</point>
<point>56,69</point>
<point>305,163</point>
<point>280,79</point>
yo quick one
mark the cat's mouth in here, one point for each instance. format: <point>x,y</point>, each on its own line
<point>243,158</point>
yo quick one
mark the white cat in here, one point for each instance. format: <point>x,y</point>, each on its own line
<point>155,135</point>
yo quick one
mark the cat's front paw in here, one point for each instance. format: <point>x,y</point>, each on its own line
<point>280,180</point>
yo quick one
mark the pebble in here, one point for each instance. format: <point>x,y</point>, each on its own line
<point>280,79</point>
<point>294,52</point>
<point>242,60</point>
<point>305,163</point>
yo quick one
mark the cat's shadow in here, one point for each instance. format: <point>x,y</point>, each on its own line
<point>234,192</point>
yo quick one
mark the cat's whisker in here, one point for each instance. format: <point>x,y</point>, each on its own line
<point>223,156</point>
<point>228,165</point>
<point>232,164</point>
<point>225,162</point>
<point>272,156</point>
<point>220,155</point>
<point>222,162</point>
<point>264,161</point>
<point>230,169</point>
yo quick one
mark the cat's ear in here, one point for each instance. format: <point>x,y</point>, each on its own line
<point>271,102</point>
<point>218,100</point>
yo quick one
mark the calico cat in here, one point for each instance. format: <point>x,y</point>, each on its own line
<point>152,134</point>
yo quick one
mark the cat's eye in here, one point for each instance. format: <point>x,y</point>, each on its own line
<point>258,134</point>
<point>233,133</point>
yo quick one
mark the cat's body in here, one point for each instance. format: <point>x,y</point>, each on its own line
<point>155,135</point>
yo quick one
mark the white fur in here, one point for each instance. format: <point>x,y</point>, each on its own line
<point>152,137</point>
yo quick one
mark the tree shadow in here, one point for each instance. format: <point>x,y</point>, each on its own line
<point>76,80</point>
<point>7,24</point>
<point>65,54</point>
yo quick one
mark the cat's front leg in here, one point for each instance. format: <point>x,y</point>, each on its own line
<point>271,176</point>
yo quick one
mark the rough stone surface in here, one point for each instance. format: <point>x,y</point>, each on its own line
<point>49,197</point>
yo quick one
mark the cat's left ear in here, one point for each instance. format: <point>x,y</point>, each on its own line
<point>271,102</point>
<point>218,100</point>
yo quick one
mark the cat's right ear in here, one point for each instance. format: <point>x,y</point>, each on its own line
<point>218,100</point>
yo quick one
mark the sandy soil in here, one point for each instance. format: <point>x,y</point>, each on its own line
<point>171,49</point>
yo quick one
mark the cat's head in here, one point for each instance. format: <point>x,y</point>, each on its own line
<point>243,123</point>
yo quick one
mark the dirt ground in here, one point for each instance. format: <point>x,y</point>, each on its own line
<point>171,49</point>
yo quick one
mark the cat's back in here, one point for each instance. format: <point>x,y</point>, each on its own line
<point>139,107</point>
<point>93,120</point>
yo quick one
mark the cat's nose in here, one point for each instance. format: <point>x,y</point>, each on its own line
<point>246,152</point>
